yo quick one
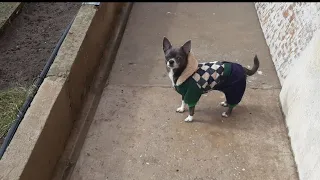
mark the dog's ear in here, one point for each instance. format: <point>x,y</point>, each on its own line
<point>166,44</point>
<point>187,47</point>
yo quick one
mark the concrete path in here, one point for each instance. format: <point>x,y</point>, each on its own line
<point>136,133</point>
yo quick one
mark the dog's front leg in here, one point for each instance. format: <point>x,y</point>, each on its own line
<point>228,112</point>
<point>181,108</point>
<point>191,113</point>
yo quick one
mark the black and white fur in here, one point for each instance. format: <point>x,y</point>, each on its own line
<point>176,60</point>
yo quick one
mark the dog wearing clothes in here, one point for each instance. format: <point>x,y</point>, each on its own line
<point>192,79</point>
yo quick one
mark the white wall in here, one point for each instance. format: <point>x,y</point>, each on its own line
<point>292,33</point>
<point>300,99</point>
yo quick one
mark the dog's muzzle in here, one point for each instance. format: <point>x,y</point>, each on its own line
<point>171,63</point>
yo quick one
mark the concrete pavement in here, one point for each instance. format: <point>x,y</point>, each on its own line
<point>136,133</point>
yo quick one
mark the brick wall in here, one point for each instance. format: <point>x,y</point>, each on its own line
<point>288,28</point>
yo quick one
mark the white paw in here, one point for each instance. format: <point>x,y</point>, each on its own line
<point>224,114</point>
<point>224,104</point>
<point>188,119</point>
<point>180,109</point>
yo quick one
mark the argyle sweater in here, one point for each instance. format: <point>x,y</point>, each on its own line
<point>203,80</point>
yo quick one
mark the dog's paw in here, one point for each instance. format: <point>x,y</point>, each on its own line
<point>224,114</point>
<point>180,110</point>
<point>188,119</point>
<point>224,104</point>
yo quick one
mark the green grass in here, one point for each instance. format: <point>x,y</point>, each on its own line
<point>11,101</point>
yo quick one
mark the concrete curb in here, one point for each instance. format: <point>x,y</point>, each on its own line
<point>66,164</point>
<point>42,135</point>
<point>10,15</point>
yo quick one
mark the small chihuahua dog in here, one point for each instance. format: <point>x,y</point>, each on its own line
<point>192,79</point>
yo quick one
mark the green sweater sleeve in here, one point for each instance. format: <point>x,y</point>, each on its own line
<point>190,92</point>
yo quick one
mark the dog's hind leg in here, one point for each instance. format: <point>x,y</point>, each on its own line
<point>224,103</point>
<point>228,112</point>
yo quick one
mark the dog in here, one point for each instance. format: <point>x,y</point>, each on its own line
<point>192,79</point>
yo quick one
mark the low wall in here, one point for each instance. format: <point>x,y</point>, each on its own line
<point>42,135</point>
<point>292,33</point>
<point>8,11</point>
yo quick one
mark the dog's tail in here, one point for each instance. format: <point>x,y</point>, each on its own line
<point>255,67</point>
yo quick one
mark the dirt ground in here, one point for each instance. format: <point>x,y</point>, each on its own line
<point>29,40</point>
<point>25,46</point>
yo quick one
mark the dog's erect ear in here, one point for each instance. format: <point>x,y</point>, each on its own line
<point>187,47</point>
<point>166,44</point>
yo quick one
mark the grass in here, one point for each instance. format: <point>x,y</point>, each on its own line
<point>11,101</point>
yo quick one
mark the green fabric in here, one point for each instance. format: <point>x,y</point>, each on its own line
<point>227,69</point>
<point>190,92</point>
<point>232,105</point>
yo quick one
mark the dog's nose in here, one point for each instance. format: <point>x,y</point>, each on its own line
<point>171,62</point>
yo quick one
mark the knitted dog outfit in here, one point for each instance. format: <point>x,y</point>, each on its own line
<point>200,78</point>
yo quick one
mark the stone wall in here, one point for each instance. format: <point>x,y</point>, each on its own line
<point>288,28</point>
<point>292,32</point>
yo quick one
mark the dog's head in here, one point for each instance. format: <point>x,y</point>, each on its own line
<point>176,58</point>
